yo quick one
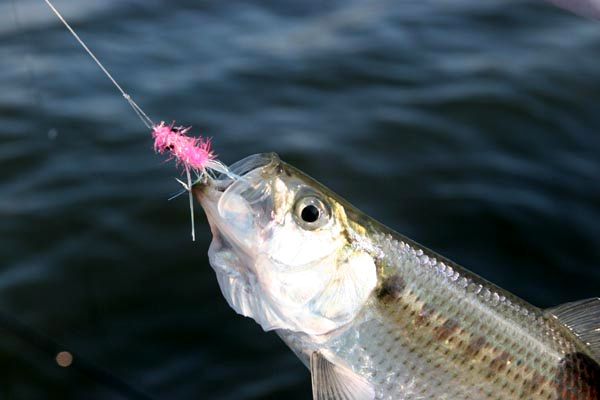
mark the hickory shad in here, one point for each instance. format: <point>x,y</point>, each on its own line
<point>374,315</point>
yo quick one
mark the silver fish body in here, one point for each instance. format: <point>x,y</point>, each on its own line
<point>377,316</point>
<point>432,330</point>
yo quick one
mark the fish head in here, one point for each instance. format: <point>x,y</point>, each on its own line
<point>284,248</point>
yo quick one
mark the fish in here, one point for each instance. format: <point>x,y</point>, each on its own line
<point>375,315</point>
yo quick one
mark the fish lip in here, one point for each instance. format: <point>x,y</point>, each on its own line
<point>209,190</point>
<point>221,181</point>
<point>254,161</point>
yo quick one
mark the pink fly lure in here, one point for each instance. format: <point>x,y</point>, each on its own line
<point>193,153</point>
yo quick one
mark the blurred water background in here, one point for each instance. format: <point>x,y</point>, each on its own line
<point>469,126</point>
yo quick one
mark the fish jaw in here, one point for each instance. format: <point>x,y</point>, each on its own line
<point>231,256</point>
<point>285,277</point>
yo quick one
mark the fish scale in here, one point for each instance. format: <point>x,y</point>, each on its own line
<point>434,330</point>
<point>438,331</point>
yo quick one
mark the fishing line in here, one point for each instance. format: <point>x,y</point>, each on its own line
<point>191,198</point>
<point>194,154</point>
<point>9,325</point>
<point>141,114</point>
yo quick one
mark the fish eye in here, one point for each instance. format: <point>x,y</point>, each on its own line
<point>311,212</point>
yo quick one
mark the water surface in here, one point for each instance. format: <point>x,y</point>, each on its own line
<point>472,128</point>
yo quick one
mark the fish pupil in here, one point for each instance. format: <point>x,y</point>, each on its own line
<point>310,213</point>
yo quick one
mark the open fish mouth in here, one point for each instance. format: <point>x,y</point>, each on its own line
<point>221,181</point>
<point>247,164</point>
<point>235,202</point>
<point>230,199</point>
<point>238,205</point>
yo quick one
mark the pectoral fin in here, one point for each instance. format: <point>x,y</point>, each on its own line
<point>583,319</point>
<point>332,381</point>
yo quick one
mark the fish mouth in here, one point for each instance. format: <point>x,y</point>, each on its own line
<point>250,163</point>
<point>210,190</point>
<point>221,181</point>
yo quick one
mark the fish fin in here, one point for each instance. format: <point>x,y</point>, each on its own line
<point>336,382</point>
<point>582,318</point>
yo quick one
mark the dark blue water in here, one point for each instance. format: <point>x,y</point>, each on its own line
<point>471,127</point>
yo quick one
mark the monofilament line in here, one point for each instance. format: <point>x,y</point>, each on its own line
<point>191,199</point>
<point>141,114</point>
<point>193,153</point>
